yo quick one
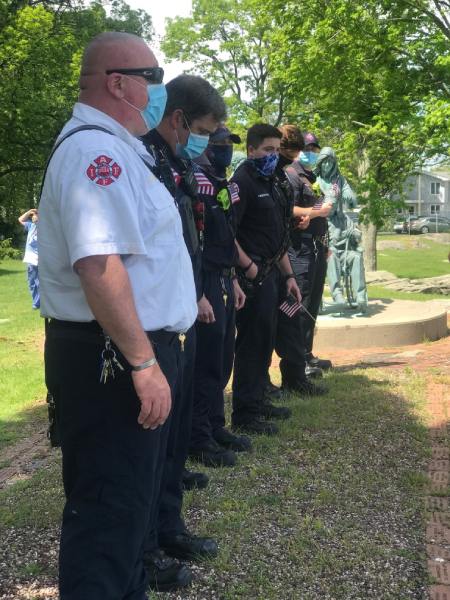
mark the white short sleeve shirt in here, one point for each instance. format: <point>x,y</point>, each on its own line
<point>100,198</point>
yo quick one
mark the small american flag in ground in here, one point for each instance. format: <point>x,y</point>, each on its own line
<point>205,187</point>
<point>234,192</point>
<point>318,205</point>
<point>290,306</point>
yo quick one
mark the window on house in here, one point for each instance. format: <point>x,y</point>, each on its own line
<point>435,209</point>
<point>411,210</point>
<point>435,188</point>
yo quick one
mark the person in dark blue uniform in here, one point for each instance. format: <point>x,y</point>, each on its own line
<point>311,245</point>
<point>307,216</point>
<point>194,110</point>
<point>263,214</point>
<point>211,443</point>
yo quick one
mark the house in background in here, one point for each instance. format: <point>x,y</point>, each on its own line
<point>428,193</point>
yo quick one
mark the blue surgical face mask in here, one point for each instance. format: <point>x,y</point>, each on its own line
<point>307,159</point>
<point>266,165</point>
<point>195,146</point>
<point>156,105</point>
<point>220,156</point>
<point>153,111</point>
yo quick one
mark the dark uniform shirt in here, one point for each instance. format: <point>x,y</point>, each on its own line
<point>181,183</point>
<point>304,196</point>
<point>261,211</point>
<point>218,197</point>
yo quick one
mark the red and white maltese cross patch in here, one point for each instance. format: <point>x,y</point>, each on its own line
<point>103,170</point>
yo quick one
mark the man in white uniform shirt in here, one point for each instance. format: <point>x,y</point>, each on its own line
<point>117,289</point>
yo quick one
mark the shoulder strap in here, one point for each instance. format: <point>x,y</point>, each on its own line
<point>61,140</point>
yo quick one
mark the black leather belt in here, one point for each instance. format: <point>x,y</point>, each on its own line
<point>91,331</point>
<point>316,238</point>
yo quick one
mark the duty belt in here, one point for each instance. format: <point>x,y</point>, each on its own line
<point>91,331</point>
<point>322,239</point>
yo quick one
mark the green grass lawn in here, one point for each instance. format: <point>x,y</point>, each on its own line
<point>332,507</point>
<point>22,406</point>
<point>21,360</point>
<point>415,257</point>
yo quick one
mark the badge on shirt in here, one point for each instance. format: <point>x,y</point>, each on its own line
<point>103,170</point>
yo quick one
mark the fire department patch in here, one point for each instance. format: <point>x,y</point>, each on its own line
<point>103,170</point>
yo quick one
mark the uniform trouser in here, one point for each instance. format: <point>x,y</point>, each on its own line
<point>256,325</point>
<point>355,264</point>
<point>168,510</point>
<point>33,284</point>
<point>289,338</point>
<point>310,265</point>
<point>214,359</point>
<point>111,466</point>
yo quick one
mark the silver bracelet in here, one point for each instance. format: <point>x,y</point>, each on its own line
<point>144,365</point>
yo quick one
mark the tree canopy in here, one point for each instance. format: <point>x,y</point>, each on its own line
<point>370,78</point>
<point>41,45</point>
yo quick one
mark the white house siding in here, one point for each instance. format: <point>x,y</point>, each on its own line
<point>420,199</point>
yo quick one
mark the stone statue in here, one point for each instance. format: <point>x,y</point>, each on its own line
<point>346,258</point>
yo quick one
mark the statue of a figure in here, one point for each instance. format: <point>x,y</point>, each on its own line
<point>346,253</point>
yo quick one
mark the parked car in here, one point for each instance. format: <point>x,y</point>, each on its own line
<point>433,224</point>
<point>402,224</point>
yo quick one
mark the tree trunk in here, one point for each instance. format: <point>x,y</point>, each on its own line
<point>369,240</point>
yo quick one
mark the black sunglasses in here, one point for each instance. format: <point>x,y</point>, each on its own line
<point>151,74</point>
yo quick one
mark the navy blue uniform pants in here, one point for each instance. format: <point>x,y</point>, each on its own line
<point>168,520</point>
<point>309,263</point>
<point>289,338</point>
<point>112,467</point>
<point>214,359</point>
<point>256,326</point>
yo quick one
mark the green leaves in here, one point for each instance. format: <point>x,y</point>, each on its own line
<point>40,56</point>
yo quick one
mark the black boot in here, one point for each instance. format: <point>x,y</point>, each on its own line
<point>212,454</point>
<point>305,388</point>
<point>313,372</point>
<point>319,363</point>
<point>269,411</point>
<point>165,573</point>
<point>256,426</point>
<point>189,547</point>
<point>237,443</point>
<point>194,481</point>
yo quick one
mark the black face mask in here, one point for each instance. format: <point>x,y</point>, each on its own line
<point>220,156</point>
<point>283,161</point>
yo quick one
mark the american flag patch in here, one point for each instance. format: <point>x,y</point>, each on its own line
<point>234,192</point>
<point>205,187</point>
<point>290,306</point>
<point>318,205</point>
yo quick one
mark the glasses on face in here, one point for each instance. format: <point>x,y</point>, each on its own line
<point>150,74</point>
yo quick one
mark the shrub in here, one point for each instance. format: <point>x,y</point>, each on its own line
<point>7,250</point>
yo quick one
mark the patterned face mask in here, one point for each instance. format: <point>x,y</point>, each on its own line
<point>266,165</point>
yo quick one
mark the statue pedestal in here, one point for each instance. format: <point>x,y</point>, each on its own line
<point>386,323</point>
